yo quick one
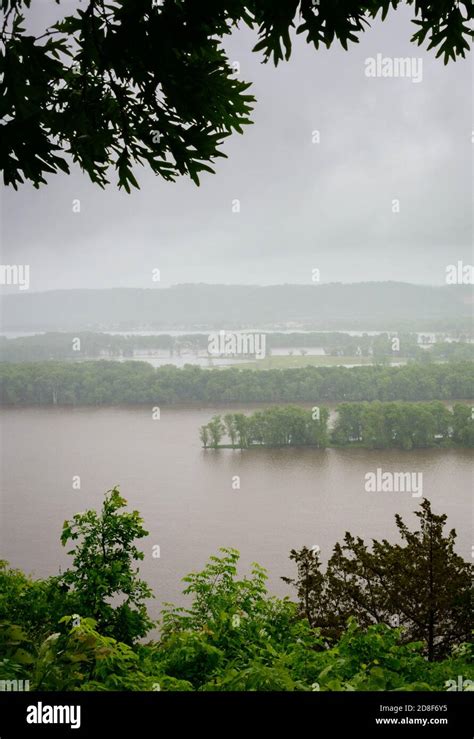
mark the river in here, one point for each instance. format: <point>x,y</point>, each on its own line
<point>287,498</point>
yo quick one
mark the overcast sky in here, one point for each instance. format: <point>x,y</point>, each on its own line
<point>304,205</point>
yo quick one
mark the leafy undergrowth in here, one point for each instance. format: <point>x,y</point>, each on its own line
<point>235,637</point>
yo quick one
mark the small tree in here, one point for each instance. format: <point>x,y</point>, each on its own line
<point>429,584</point>
<point>242,429</point>
<point>231,614</point>
<point>104,568</point>
<point>216,430</point>
<point>421,585</point>
<point>229,421</point>
<point>204,434</point>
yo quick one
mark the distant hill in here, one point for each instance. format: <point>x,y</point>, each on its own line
<point>369,305</point>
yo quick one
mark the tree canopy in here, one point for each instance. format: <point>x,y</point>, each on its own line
<point>371,425</point>
<point>117,383</point>
<point>117,84</point>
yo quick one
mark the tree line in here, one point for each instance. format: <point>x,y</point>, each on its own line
<point>275,427</point>
<point>378,617</point>
<point>372,425</point>
<point>91,345</point>
<point>109,383</point>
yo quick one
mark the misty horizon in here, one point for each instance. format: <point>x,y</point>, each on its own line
<point>13,289</point>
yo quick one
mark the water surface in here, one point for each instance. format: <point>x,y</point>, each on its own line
<point>287,498</point>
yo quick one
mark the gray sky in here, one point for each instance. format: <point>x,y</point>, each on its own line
<point>304,205</point>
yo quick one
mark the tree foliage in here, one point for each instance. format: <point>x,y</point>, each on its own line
<point>370,425</point>
<point>120,83</point>
<point>36,604</point>
<point>103,568</point>
<point>275,427</point>
<point>117,383</point>
<point>420,585</point>
<point>403,425</point>
<point>234,636</point>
